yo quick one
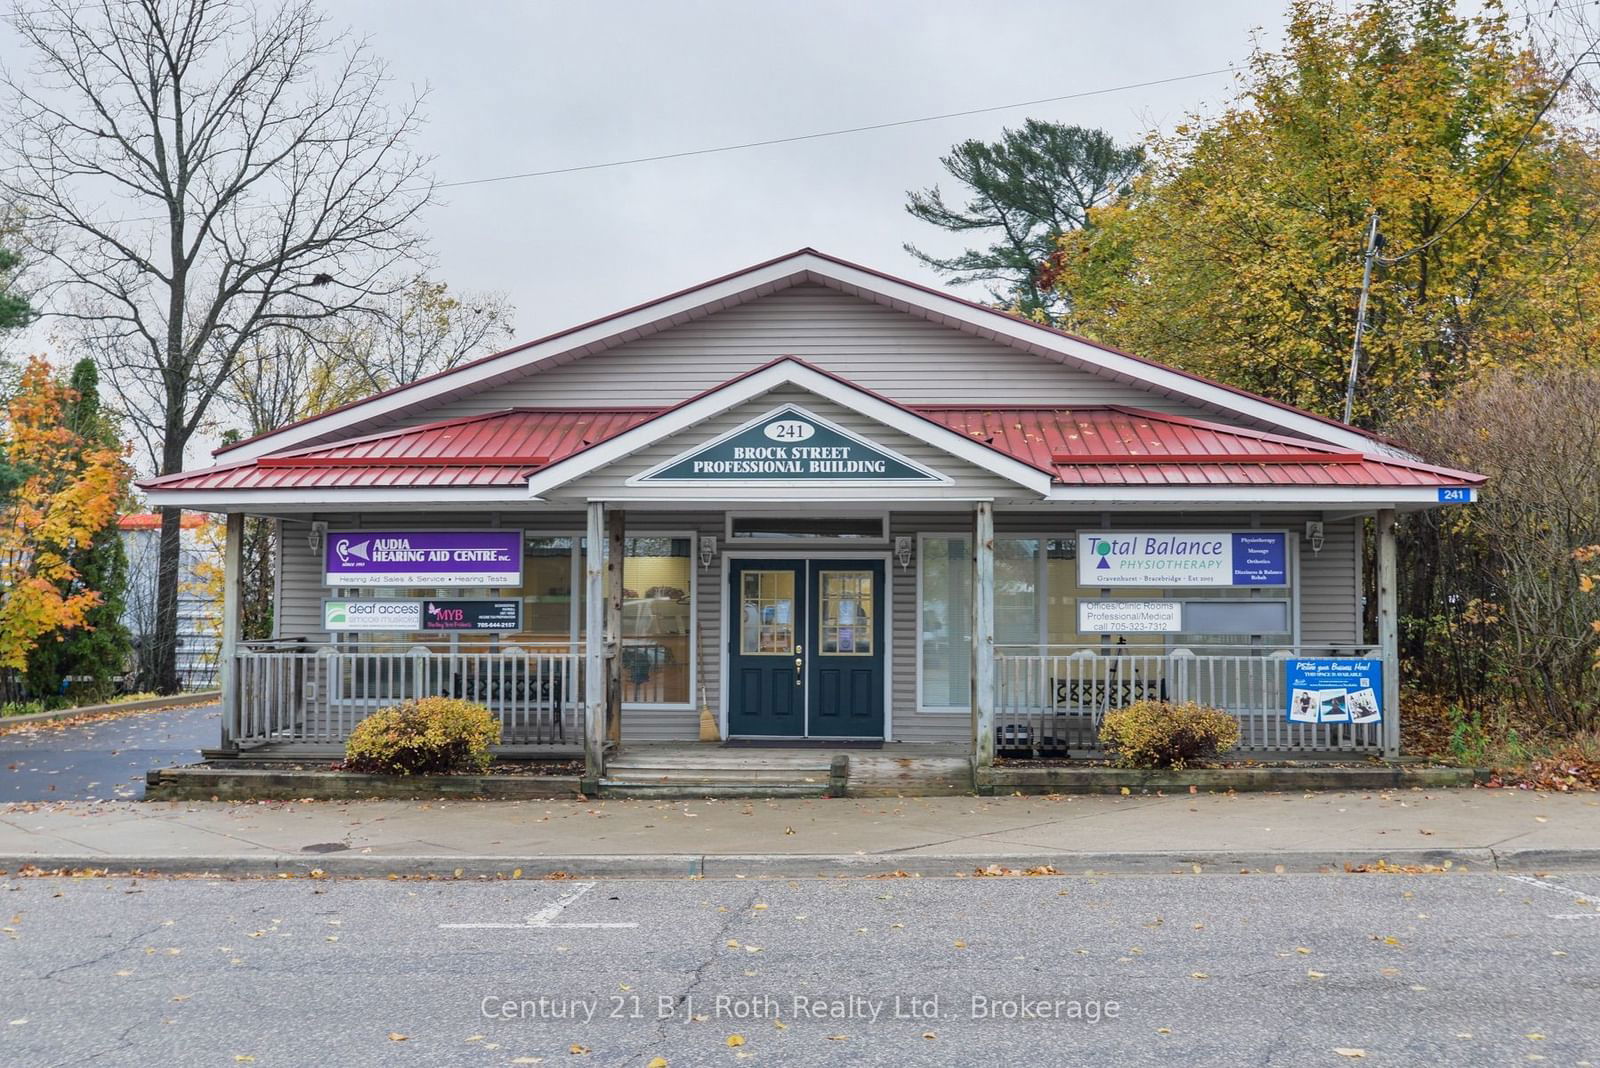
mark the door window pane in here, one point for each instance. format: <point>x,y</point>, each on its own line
<point>845,612</point>
<point>767,616</point>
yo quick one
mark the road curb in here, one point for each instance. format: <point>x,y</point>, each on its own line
<point>181,700</point>
<point>777,866</point>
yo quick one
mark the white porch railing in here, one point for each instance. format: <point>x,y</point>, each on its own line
<point>1051,700</point>
<point>295,692</point>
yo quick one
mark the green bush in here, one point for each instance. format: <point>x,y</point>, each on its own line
<point>1155,734</point>
<point>429,736</point>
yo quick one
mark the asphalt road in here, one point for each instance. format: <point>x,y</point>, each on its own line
<point>104,759</point>
<point>1476,969</point>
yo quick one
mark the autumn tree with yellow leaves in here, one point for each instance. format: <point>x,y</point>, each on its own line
<point>1238,254</point>
<point>64,489</point>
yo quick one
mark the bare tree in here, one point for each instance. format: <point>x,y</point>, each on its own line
<point>421,330</point>
<point>198,173</point>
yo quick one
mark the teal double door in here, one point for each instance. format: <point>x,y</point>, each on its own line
<point>806,648</point>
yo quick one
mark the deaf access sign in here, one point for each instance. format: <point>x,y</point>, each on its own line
<point>789,444</point>
<point>1186,558</point>
<point>1334,690</point>
<point>423,558</point>
<point>432,614</point>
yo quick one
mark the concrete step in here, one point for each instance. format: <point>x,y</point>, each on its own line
<point>675,773</point>
<point>678,790</point>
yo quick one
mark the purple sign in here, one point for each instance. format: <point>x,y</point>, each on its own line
<point>422,558</point>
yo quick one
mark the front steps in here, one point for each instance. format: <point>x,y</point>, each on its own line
<point>713,772</point>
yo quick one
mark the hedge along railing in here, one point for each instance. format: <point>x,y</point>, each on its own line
<point>316,693</point>
<point>1051,699</point>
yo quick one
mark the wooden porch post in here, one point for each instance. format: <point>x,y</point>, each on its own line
<point>616,521</point>
<point>983,635</point>
<point>594,650</point>
<point>232,598</point>
<point>1389,632</point>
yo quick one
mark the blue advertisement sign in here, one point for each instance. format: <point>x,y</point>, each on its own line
<point>1334,690</point>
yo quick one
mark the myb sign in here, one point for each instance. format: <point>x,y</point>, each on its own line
<point>1203,558</point>
<point>422,558</point>
<point>789,444</point>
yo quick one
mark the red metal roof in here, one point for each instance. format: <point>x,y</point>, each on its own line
<point>495,449</point>
<point>1082,446</point>
<point>1130,446</point>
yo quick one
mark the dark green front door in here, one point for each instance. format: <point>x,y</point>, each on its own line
<point>806,656</point>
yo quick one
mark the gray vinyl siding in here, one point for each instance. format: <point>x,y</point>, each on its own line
<point>610,483</point>
<point>906,358</point>
<point>1327,593</point>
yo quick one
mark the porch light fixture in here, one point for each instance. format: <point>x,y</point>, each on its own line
<point>1314,535</point>
<point>708,549</point>
<point>902,550</point>
<point>319,530</point>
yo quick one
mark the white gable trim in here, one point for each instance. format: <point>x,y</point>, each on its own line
<point>653,477</point>
<point>787,373</point>
<point>769,278</point>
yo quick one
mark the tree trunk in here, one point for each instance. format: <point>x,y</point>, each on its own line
<point>164,657</point>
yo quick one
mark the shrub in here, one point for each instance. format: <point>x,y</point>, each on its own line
<point>429,736</point>
<point>1154,734</point>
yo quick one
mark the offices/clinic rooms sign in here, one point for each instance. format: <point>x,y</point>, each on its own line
<point>1183,558</point>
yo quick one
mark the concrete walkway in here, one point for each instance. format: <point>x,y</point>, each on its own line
<point>932,835</point>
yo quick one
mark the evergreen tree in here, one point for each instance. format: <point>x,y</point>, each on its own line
<point>99,650</point>
<point>1027,189</point>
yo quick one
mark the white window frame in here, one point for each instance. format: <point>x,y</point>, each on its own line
<point>803,544</point>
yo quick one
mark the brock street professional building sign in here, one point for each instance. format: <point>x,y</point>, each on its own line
<point>790,444</point>
<point>423,558</point>
<point>1183,558</point>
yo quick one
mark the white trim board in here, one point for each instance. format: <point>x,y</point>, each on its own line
<point>787,372</point>
<point>807,265</point>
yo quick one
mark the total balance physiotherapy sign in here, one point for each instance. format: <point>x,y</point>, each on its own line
<point>422,558</point>
<point>1185,558</point>
<point>789,444</point>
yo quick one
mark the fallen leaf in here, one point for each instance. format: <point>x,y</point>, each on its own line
<point>1347,1051</point>
<point>657,1062</point>
<point>929,1035</point>
<point>396,1036</point>
<point>575,1048</point>
<point>735,1040</point>
<point>960,943</point>
<point>1199,975</point>
<point>1316,975</point>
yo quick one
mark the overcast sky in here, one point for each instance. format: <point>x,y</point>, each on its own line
<point>520,86</point>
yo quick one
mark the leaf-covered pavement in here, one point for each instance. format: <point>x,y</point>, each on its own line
<point>102,759</point>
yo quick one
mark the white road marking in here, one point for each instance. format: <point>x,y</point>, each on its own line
<point>1566,891</point>
<point>545,917</point>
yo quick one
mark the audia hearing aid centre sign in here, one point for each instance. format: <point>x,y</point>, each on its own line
<point>790,444</point>
<point>1184,558</point>
<point>422,558</point>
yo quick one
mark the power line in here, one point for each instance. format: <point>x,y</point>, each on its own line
<point>832,133</point>
<point>741,146</point>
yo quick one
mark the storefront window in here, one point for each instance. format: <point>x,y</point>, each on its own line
<point>1036,609</point>
<point>657,620</point>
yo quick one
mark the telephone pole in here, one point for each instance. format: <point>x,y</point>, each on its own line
<point>1374,242</point>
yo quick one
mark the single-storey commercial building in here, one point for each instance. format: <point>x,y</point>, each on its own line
<point>811,501</point>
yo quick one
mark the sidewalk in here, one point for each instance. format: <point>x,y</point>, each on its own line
<point>930,836</point>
